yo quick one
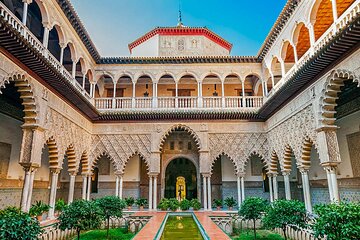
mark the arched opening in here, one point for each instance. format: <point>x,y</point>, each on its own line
<point>88,78</point>
<point>165,91</point>
<point>34,21</point>
<point>54,43</point>
<point>223,178</point>
<point>136,178</point>
<point>143,92</point>
<point>321,17</point>
<point>211,91</point>
<point>104,87</point>
<point>301,39</point>
<point>276,70</point>
<point>15,6</point>
<point>79,69</point>
<point>180,167</point>
<point>69,55</point>
<point>123,92</point>
<point>287,54</point>
<point>342,5</point>
<point>233,91</point>
<point>179,154</point>
<point>187,92</point>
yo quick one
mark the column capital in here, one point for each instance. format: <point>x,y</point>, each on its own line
<point>72,174</point>
<point>153,174</point>
<point>206,174</point>
<point>240,174</point>
<point>30,167</point>
<point>330,167</point>
<point>304,170</point>
<point>286,173</point>
<point>55,170</point>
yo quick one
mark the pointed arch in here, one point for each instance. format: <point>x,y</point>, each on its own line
<point>27,96</point>
<point>229,157</point>
<point>262,158</point>
<point>53,153</point>
<point>103,154</point>
<point>330,93</point>
<point>180,127</point>
<point>71,157</point>
<point>142,158</point>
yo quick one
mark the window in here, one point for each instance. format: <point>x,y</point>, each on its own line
<point>181,45</point>
<point>181,145</point>
<point>172,145</point>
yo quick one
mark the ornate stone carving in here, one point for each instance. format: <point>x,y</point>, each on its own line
<point>238,147</point>
<point>120,148</point>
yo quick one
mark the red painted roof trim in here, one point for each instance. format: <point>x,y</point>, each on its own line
<point>182,31</point>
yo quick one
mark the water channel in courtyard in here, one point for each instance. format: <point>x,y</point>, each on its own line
<point>181,226</point>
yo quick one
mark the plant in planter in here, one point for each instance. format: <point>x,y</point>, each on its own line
<point>195,204</point>
<point>59,206</point>
<point>185,205</point>
<point>38,209</point>
<point>164,204</point>
<point>230,202</point>
<point>173,204</point>
<point>129,202</point>
<point>15,224</point>
<point>141,202</point>
<point>217,203</point>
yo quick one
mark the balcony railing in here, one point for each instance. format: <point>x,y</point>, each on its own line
<point>249,102</point>
<point>12,20</point>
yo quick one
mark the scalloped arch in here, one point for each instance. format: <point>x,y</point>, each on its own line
<point>229,157</point>
<point>329,95</point>
<point>181,128</point>
<point>142,157</point>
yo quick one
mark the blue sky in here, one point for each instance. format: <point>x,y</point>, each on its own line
<point>113,24</point>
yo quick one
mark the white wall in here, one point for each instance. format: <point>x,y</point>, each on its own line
<point>347,125</point>
<point>132,169</point>
<point>149,48</point>
<point>227,169</point>
<point>11,133</point>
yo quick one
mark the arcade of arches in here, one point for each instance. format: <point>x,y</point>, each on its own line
<point>307,148</point>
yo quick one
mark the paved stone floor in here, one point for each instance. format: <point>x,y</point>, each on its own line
<point>149,231</point>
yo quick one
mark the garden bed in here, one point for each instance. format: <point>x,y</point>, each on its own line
<point>114,234</point>
<point>260,234</point>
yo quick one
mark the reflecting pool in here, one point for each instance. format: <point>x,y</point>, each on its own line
<point>181,227</point>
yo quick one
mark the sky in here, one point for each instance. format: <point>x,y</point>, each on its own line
<point>113,24</point>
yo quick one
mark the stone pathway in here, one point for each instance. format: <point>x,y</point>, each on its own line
<point>149,231</point>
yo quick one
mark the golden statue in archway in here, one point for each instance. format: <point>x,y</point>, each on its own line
<point>180,188</point>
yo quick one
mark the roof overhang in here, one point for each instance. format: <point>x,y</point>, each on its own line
<point>182,31</point>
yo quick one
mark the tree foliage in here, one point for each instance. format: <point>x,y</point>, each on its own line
<point>110,206</point>
<point>253,209</point>
<point>337,221</point>
<point>18,225</point>
<point>81,215</point>
<point>285,212</point>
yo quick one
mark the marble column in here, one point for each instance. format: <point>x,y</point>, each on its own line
<point>332,183</point>
<point>133,95</point>
<point>287,185</point>
<point>25,11</point>
<point>84,187</point>
<point>306,189</point>
<point>209,192</point>
<point>242,180</point>
<point>120,186</point>
<point>46,36</point>
<point>243,94</point>
<point>176,95</point>
<point>204,193</point>
<point>53,190</point>
<point>275,187</point>
<point>25,190</point>
<point>88,188</point>
<point>116,185</point>
<point>271,188</point>
<point>73,70</point>
<point>223,93</point>
<point>155,193</point>
<point>62,48</point>
<point>31,187</point>
<point>150,192</point>
<point>71,187</point>
<point>238,191</point>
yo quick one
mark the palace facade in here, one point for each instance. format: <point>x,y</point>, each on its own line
<point>282,124</point>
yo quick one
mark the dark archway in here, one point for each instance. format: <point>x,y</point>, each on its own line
<point>185,168</point>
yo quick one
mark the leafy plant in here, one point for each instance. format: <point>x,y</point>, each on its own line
<point>60,205</point>
<point>252,209</point>
<point>15,224</point>
<point>230,202</point>
<point>217,202</point>
<point>185,205</point>
<point>173,204</point>
<point>110,206</point>
<point>284,212</point>
<point>195,204</point>
<point>164,204</point>
<point>141,202</point>
<point>129,201</point>
<point>81,215</point>
<point>38,208</point>
<point>337,221</point>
